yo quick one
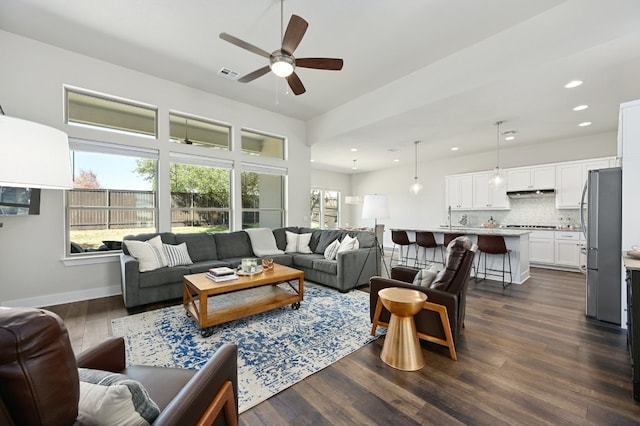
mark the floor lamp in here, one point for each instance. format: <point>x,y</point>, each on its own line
<point>376,207</point>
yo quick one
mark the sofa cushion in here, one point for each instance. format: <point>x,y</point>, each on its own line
<point>315,237</point>
<point>205,265</point>
<point>163,276</point>
<point>233,245</point>
<point>113,399</point>
<point>306,260</point>
<point>366,239</point>
<point>298,243</point>
<point>281,236</point>
<point>327,237</point>
<point>201,246</point>
<point>324,265</point>
<point>178,254</point>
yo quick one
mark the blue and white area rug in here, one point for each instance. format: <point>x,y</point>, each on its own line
<point>276,349</point>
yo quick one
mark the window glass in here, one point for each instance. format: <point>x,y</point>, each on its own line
<point>192,131</point>
<point>325,208</point>
<point>109,113</point>
<point>262,200</point>
<point>262,145</point>
<point>200,198</point>
<point>114,195</point>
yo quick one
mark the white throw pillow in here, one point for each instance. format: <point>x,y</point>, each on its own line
<point>425,276</point>
<point>263,242</point>
<point>298,243</point>
<point>149,254</point>
<point>108,398</point>
<point>178,254</point>
<point>349,243</point>
<point>332,250</point>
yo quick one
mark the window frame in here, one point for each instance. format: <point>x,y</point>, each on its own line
<point>323,207</point>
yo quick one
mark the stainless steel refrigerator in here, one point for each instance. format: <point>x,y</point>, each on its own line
<point>601,218</point>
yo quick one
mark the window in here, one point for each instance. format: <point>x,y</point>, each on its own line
<point>114,195</point>
<point>200,194</point>
<point>194,131</point>
<point>325,208</point>
<point>262,145</point>
<point>104,112</point>
<point>262,196</point>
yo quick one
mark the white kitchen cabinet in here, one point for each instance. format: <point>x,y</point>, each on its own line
<point>567,248</point>
<point>541,247</point>
<point>570,179</point>
<point>486,197</point>
<point>460,192</point>
<point>530,178</point>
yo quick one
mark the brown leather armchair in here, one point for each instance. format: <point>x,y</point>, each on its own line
<point>39,382</point>
<point>442,317</point>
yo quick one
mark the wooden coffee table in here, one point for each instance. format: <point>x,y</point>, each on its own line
<point>248,295</point>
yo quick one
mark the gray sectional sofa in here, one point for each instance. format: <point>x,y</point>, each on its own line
<point>349,269</point>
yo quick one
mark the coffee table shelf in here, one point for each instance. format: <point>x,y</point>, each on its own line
<point>210,303</point>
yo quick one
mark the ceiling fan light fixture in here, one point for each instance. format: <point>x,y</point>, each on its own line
<point>282,65</point>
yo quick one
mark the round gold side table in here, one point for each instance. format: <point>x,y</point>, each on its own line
<point>401,348</point>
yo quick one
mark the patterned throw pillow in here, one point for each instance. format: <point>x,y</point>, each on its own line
<point>425,276</point>
<point>331,251</point>
<point>149,254</point>
<point>298,243</point>
<point>178,254</point>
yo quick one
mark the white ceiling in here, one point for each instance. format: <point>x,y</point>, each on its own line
<point>439,71</point>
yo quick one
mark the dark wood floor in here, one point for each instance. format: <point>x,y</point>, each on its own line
<point>527,356</point>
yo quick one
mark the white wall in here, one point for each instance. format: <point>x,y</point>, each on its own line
<point>32,271</point>
<point>428,208</point>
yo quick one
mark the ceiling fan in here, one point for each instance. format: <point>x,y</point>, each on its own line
<point>281,61</point>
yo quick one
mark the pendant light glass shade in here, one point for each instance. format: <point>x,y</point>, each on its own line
<point>353,199</point>
<point>416,186</point>
<point>497,180</point>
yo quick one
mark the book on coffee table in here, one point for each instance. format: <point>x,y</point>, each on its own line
<point>222,271</point>
<point>222,278</point>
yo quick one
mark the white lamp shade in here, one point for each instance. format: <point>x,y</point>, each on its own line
<point>375,207</point>
<point>33,155</point>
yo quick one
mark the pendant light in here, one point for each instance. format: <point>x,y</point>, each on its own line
<point>497,180</point>
<point>353,199</point>
<point>416,186</point>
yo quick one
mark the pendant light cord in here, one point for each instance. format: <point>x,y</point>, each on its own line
<point>498,123</point>
<point>415,177</point>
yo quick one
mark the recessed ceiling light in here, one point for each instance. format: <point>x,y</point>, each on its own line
<point>396,160</point>
<point>572,84</point>
<point>585,124</point>
<point>354,149</point>
<point>581,107</point>
<point>455,148</point>
<point>509,138</point>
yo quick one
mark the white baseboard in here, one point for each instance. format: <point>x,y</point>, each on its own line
<point>61,298</point>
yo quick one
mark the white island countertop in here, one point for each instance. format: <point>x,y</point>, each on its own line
<point>505,232</point>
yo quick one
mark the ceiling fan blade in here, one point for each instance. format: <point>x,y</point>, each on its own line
<point>296,84</point>
<point>253,75</point>
<point>320,63</point>
<point>243,44</point>
<point>294,33</point>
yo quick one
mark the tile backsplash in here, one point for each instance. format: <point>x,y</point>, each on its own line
<point>524,211</point>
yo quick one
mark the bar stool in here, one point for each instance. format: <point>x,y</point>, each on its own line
<point>427,240</point>
<point>493,245</point>
<point>450,236</point>
<point>401,239</point>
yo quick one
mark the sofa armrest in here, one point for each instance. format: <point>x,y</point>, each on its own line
<point>108,356</point>
<point>404,273</point>
<point>193,400</point>
<point>356,267</point>
<point>129,279</point>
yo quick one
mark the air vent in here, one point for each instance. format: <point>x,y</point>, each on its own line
<point>227,73</point>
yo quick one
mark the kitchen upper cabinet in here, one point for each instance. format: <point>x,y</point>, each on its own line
<point>529,178</point>
<point>570,180</point>
<point>460,192</point>
<point>486,197</point>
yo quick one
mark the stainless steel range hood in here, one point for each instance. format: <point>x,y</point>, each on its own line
<point>534,193</point>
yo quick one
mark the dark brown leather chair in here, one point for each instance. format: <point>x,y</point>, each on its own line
<point>443,315</point>
<point>39,382</point>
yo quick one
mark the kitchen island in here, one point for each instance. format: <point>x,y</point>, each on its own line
<point>516,240</point>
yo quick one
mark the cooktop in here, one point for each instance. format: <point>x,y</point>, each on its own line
<point>532,226</point>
